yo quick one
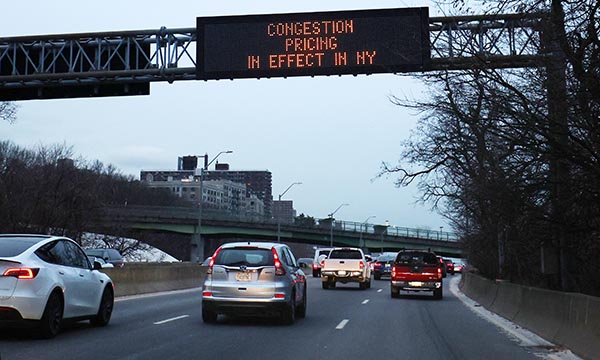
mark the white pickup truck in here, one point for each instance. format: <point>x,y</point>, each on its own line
<point>345,265</point>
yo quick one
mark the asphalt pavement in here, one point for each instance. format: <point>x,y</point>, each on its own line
<point>341,323</point>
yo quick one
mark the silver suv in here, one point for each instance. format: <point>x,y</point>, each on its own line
<point>254,278</point>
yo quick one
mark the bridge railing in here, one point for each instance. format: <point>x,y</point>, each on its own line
<point>186,213</point>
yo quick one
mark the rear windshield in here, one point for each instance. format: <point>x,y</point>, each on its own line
<point>345,254</point>
<point>324,252</point>
<point>416,258</point>
<point>96,253</point>
<point>386,257</point>
<point>13,246</point>
<point>245,256</point>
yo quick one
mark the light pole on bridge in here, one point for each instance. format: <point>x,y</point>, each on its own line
<point>279,215</point>
<point>360,242</point>
<point>331,223</point>
<point>198,243</point>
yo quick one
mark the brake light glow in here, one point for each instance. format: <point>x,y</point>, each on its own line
<point>206,293</point>
<point>21,273</point>
<point>439,273</point>
<point>209,271</point>
<point>361,264</point>
<point>279,296</point>
<point>315,267</point>
<point>279,270</point>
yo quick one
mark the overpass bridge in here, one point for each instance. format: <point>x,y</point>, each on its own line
<point>178,231</point>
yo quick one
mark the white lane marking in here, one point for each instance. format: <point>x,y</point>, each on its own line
<point>380,290</point>
<point>365,302</point>
<point>342,324</point>
<point>171,319</point>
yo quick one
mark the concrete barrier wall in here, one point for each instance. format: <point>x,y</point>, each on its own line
<point>571,320</point>
<point>142,278</point>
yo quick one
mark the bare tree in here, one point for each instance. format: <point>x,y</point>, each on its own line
<point>8,111</point>
<point>487,148</point>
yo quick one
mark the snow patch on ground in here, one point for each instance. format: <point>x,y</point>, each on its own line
<point>145,252</point>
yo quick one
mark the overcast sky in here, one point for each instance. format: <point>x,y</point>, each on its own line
<point>330,133</point>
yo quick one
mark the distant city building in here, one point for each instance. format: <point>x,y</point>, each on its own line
<point>258,182</point>
<point>283,210</point>
<point>238,192</point>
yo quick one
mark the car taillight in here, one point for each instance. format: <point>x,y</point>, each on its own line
<point>393,271</point>
<point>209,271</point>
<point>279,270</point>
<point>361,264</point>
<point>323,264</point>
<point>315,267</point>
<point>21,273</point>
<point>439,272</point>
<point>206,293</point>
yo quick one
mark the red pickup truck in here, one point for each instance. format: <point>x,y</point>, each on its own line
<point>416,270</point>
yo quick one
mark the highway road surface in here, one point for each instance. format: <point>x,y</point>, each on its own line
<point>342,323</point>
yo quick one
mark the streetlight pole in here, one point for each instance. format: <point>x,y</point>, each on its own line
<point>387,224</point>
<point>279,215</point>
<point>360,242</point>
<point>199,245</point>
<point>331,227</point>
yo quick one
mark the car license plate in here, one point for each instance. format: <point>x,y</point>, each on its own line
<point>387,266</point>
<point>342,272</point>
<point>415,283</point>
<point>243,276</point>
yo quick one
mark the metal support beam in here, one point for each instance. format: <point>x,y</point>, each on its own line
<point>35,66</point>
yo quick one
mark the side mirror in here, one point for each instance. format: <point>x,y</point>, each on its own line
<point>97,265</point>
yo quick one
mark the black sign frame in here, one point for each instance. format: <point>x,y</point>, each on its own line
<point>221,40</point>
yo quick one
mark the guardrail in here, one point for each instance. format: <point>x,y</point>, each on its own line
<point>568,319</point>
<point>192,214</point>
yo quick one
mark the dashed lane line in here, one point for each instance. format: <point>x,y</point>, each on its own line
<point>342,324</point>
<point>171,319</point>
<point>365,302</point>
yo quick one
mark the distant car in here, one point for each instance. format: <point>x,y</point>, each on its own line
<point>101,261</point>
<point>459,266</point>
<point>109,255</point>
<point>320,254</point>
<point>417,270</point>
<point>254,278</point>
<point>443,266</point>
<point>47,279</point>
<point>449,266</point>
<point>383,265</point>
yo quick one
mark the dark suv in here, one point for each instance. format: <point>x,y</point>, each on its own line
<point>383,265</point>
<point>109,255</point>
<point>417,270</point>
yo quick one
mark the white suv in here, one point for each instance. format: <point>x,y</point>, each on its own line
<point>320,254</point>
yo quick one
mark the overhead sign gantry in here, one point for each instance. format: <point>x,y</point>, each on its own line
<point>308,44</point>
<point>255,46</point>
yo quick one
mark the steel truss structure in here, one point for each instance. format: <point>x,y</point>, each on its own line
<point>114,63</point>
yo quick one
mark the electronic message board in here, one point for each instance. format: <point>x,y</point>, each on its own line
<point>308,44</point>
